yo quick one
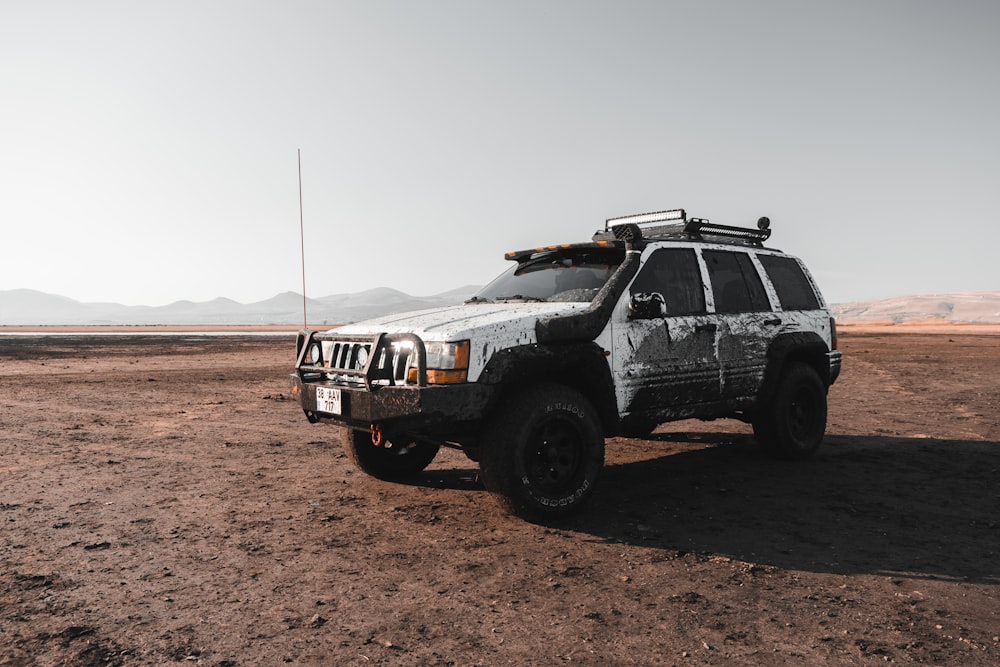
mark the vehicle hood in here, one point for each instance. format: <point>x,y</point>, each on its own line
<point>467,321</point>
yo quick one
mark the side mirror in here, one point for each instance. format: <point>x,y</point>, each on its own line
<point>646,306</point>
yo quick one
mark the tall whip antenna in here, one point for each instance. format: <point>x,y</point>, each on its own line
<point>302,239</point>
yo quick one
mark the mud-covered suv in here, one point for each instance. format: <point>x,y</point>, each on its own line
<point>659,317</point>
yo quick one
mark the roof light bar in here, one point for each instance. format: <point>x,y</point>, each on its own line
<point>702,226</point>
<point>647,218</point>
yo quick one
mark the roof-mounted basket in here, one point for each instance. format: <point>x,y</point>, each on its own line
<point>635,228</point>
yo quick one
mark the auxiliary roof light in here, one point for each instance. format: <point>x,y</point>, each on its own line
<point>646,218</point>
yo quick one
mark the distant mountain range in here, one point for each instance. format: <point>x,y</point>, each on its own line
<point>29,307</point>
<point>955,308</point>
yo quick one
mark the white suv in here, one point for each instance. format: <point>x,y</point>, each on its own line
<point>659,317</point>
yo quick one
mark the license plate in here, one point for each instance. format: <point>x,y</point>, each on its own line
<point>328,400</point>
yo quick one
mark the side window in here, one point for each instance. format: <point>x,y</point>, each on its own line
<point>793,288</point>
<point>735,282</point>
<point>674,274</point>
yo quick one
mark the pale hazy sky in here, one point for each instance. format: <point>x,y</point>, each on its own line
<point>148,149</point>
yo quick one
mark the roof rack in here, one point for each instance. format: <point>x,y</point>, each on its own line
<point>642,226</point>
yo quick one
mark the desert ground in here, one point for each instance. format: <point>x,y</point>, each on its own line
<point>163,500</point>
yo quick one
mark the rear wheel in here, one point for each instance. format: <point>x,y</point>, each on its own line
<point>792,424</point>
<point>390,460</point>
<point>542,452</point>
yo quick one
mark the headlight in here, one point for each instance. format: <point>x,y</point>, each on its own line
<point>361,356</point>
<point>447,363</point>
<point>316,354</point>
<point>447,356</point>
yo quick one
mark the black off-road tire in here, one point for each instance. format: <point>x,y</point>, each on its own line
<point>792,424</point>
<point>390,461</point>
<point>542,452</point>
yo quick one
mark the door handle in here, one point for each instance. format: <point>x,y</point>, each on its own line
<point>773,321</point>
<point>706,328</point>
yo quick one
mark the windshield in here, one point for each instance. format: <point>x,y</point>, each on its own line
<point>557,275</point>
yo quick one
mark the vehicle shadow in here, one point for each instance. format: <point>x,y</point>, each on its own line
<point>915,507</point>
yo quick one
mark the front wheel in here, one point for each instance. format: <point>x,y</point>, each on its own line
<point>390,460</point>
<point>542,452</point>
<point>791,425</point>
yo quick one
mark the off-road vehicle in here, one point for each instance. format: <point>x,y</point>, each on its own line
<point>659,317</point>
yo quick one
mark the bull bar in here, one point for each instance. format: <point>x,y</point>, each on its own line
<point>376,361</point>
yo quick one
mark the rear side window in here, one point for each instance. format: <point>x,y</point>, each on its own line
<point>674,274</point>
<point>793,288</point>
<point>735,282</point>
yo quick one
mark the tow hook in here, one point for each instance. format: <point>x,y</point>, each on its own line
<point>377,438</point>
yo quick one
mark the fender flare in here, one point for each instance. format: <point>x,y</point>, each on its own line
<point>806,346</point>
<point>581,365</point>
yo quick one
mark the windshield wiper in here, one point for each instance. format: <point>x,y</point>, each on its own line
<point>521,297</point>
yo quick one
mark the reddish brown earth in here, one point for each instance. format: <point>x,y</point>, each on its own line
<point>163,500</point>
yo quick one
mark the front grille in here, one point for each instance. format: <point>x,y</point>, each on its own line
<point>347,356</point>
<point>372,361</point>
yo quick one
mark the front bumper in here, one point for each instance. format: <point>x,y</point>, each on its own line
<point>414,404</point>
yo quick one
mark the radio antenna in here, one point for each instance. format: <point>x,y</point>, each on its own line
<point>302,240</point>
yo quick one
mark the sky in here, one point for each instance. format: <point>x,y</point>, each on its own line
<point>149,150</point>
